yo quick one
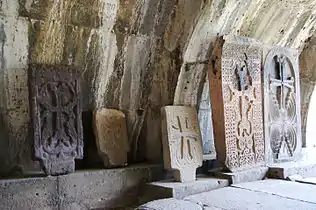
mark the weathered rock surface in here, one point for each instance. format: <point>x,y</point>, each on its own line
<point>111,136</point>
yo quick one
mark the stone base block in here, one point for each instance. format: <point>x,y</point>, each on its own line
<point>249,175</point>
<point>82,190</point>
<point>284,170</point>
<point>178,190</point>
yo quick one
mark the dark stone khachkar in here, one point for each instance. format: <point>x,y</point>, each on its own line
<point>56,115</point>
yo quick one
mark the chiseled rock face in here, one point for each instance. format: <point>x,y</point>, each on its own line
<point>111,136</point>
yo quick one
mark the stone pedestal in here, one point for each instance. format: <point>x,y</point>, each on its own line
<point>182,142</point>
<point>235,90</point>
<point>111,136</point>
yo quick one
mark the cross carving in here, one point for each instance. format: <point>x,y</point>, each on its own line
<point>59,141</point>
<point>282,82</point>
<point>187,134</point>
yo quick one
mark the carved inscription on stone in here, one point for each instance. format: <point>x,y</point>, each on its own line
<point>56,115</point>
<point>182,141</point>
<point>282,105</point>
<point>236,102</point>
<point>111,136</point>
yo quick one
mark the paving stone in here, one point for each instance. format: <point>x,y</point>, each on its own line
<point>284,170</point>
<point>170,189</point>
<point>170,203</point>
<point>230,198</point>
<point>282,188</point>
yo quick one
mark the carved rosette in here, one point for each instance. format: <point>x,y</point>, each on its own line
<point>282,105</point>
<point>56,116</point>
<point>237,116</point>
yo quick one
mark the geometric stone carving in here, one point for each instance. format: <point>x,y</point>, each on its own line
<point>235,91</point>
<point>56,116</point>
<point>111,136</point>
<point>182,141</point>
<point>282,105</point>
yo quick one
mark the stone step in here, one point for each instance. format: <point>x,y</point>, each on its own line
<point>171,189</point>
<point>249,175</point>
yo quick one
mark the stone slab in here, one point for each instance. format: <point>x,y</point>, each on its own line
<point>284,170</point>
<point>310,180</point>
<point>230,198</point>
<point>31,193</point>
<point>170,189</point>
<point>182,142</point>
<point>110,188</point>
<point>234,73</point>
<point>55,99</point>
<point>109,127</point>
<point>282,188</point>
<point>282,114</point>
<point>170,204</point>
<point>249,175</point>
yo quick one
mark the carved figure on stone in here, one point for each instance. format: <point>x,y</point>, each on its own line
<point>283,135</point>
<point>111,136</point>
<point>182,141</point>
<point>236,103</point>
<point>56,115</point>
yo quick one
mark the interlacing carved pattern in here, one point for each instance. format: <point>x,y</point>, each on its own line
<point>56,118</point>
<point>242,107</point>
<point>282,106</point>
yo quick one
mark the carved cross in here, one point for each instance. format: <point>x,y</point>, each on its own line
<point>187,135</point>
<point>59,141</point>
<point>282,83</point>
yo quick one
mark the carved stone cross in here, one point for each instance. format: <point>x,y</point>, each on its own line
<point>186,135</point>
<point>182,142</point>
<point>56,116</point>
<point>282,83</point>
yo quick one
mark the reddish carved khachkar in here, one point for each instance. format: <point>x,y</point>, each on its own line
<point>282,105</point>
<point>56,116</point>
<point>235,90</point>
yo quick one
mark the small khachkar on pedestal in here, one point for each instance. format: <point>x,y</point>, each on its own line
<point>111,136</point>
<point>56,115</point>
<point>235,90</point>
<point>182,141</point>
<point>282,105</point>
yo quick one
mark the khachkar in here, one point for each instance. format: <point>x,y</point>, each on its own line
<point>235,89</point>
<point>182,141</point>
<point>56,116</point>
<point>282,105</point>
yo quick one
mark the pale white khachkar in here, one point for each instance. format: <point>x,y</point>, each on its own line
<point>235,90</point>
<point>111,136</point>
<point>182,141</point>
<point>282,105</point>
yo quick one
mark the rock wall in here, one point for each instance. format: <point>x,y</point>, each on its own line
<point>134,55</point>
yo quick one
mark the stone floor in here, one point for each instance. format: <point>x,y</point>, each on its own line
<point>265,194</point>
